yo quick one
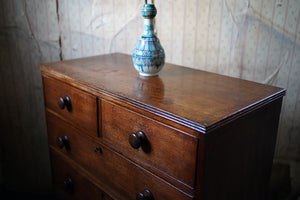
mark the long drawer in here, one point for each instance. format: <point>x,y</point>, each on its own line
<point>121,176</point>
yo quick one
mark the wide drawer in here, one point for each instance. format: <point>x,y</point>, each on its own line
<point>72,104</point>
<point>119,175</point>
<point>167,149</point>
<point>69,183</point>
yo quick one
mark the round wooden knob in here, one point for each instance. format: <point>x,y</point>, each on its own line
<point>68,184</point>
<point>61,103</point>
<point>67,102</point>
<point>98,149</point>
<point>63,142</point>
<point>59,142</point>
<point>64,102</point>
<point>145,195</point>
<point>137,139</point>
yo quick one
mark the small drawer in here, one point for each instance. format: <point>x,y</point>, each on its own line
<point>69,183</point>
<point>72,104</point>
<point>121,177</point>
<point>161,146</point>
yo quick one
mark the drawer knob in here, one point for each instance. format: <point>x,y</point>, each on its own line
<point>63,142</point>
<point>98,149</point>
<point>64,102</point>
<point>61,103</point>
<point>68,184</point>
<point>137,139</point>
<point>145,195</point>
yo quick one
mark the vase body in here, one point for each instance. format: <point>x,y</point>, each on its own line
<point>148,56</point>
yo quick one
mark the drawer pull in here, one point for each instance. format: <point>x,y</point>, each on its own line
<point>63,142</point>
<point>64,102</point>
<point>98,149</point>
<point>137,139</point>
<point>145,195</point>
<point>68,184</point>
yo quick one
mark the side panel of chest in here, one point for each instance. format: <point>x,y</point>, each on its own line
<point>238,157</point>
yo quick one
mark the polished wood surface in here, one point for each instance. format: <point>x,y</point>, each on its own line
<point>59,97</point>
<point>81,149</point>
<point>167,149</point>
<point>198,99</point>
<point>185,134</point>
<point>120,175</point>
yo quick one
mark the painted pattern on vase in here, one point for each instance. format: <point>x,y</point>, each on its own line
<point>148,56</point>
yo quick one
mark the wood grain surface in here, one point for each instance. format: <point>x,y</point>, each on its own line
<point>194,98</point>
<point>169,150</point>
<point>121,176</point>
<point>84,106</point>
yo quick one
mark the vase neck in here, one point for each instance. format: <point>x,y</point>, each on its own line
<point>148,28</point>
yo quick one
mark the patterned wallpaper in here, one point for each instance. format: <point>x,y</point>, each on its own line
<point>257,40</point>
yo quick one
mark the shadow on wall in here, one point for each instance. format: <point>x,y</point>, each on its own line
<point>24,156</point>
<point>283,184</point>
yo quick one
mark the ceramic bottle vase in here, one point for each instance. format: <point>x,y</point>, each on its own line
<point>148,56</point>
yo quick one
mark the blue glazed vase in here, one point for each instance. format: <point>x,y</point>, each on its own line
<point>148,56</point>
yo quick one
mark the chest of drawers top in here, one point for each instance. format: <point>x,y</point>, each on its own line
<point>195,99</point>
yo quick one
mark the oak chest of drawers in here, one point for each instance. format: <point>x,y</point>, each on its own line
<point>185,134</point>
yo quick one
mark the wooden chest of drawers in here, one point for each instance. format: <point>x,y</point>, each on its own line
<point>186,134</point>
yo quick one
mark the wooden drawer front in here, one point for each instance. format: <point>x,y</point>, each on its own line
<point>83,110</point>
<point>69,183</point>
<point>167,149</point>
<point>121,176</point>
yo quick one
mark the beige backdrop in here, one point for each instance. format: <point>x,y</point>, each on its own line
<point>257,40</point>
